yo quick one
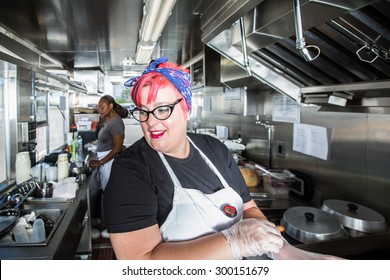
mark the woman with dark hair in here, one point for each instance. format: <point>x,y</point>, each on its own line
<point>109,144</point>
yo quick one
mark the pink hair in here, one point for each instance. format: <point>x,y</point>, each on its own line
<point>156,82</point>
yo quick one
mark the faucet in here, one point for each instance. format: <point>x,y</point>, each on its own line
<point>263,123</point>
<point>270,129</point>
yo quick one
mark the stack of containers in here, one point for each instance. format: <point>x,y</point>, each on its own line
<point>63,166</point>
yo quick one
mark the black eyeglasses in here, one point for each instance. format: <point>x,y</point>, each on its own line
<point>161,112</point>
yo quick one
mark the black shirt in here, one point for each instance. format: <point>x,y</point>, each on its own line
<point>140,191</point>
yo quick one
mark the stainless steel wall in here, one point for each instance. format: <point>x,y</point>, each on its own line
<point>358,166</point>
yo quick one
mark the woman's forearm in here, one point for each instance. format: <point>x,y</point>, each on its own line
<point>213,246</point>
<point>252,211</point>
<point>147,244</point>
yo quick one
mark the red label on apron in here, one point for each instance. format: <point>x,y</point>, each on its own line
<point>229,211</point>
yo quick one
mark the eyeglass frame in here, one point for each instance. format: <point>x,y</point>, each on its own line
<point>170,106</point>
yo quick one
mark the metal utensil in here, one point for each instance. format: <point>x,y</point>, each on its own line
<point>86,160</point>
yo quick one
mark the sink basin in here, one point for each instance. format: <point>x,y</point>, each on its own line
<point>51,217</point>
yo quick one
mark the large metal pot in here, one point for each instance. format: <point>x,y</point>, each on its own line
<point>80,168</point>
<point>80,173</point>
<point>357,219</point>
<point>310,225</point>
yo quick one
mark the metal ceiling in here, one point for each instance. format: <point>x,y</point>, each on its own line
<point>353,37</point>
<point>93,34</point>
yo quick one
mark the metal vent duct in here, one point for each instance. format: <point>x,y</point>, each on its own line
<point>352,73</point>
<point>273,21</point>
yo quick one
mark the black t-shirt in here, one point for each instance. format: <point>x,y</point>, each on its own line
<point>140,191</point>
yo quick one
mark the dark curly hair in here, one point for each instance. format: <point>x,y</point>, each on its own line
<point>122,112</point>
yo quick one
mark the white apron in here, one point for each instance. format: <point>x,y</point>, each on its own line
<point>104,170</point>
<point>194,213</point>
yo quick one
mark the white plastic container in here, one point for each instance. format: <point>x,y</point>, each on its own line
<point>62,167</point>
<point>22,167</point>
<point>36,172</point>
<point>38,233</point>
<point>222,132</point>
<point>86,122</point>
<point>20,234</point>
<point>84,125</point>
<point>51,173</point>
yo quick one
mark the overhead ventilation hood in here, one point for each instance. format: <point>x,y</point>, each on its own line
<point>352,72</point>
<point>205,71</point>
<point>14,45</point>
<point>272,21</point>
<point>233,76</point>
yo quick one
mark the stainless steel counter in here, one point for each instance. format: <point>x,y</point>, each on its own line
<point>65,241</point>
<point>281,203</point>
<point>369,247</point>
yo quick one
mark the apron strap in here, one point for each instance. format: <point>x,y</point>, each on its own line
<point>211,165</point>
<point>176,181</point>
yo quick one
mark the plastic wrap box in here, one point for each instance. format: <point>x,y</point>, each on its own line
<point>277,183</point>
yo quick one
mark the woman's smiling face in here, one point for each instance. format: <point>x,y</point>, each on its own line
<point>167,136</point>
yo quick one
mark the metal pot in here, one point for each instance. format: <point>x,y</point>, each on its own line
<point>80,170</point>
<point>310,225</point>
<point>357,219</point>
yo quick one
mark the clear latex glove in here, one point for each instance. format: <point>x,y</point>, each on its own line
<point>253,237</point>
<point>289,252</point>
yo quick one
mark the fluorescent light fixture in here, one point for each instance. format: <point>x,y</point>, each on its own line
<point>151,9</point>
<point>156,14</point>
<point>144,52</point>
<point>162,18</point>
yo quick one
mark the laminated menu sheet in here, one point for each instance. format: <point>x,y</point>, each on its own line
<point>311,140</point>
<point>285,110</point>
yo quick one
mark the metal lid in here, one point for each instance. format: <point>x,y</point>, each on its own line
<point>309,225</point>
<point>355,216</point>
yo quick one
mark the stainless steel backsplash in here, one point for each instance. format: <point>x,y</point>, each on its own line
<point>358,167</point>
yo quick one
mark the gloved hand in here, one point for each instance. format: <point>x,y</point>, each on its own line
<point>289,252</point>
<point>253,237</point>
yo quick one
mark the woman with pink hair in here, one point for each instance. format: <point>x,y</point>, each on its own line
<point>180,195</point>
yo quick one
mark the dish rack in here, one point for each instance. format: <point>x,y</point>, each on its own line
<point>19,193</point>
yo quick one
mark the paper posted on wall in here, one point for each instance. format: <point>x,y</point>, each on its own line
<point>311,140</point>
